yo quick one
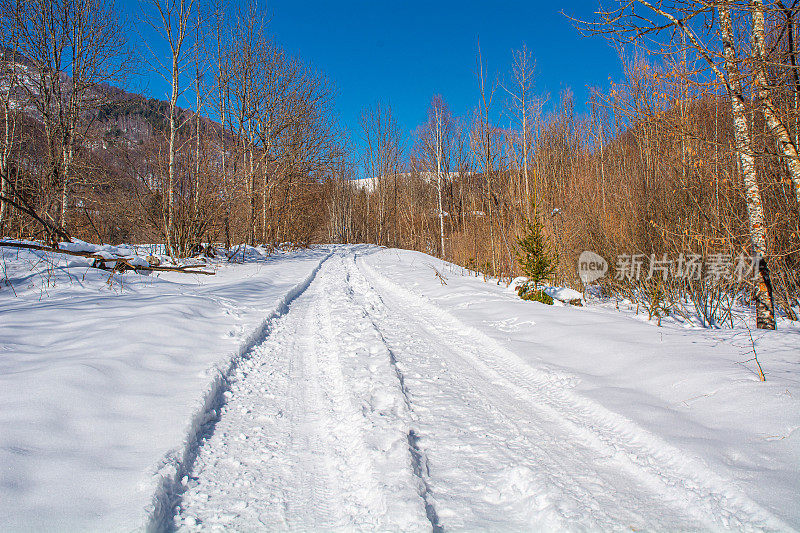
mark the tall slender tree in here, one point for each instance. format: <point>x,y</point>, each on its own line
<point>173,25</point>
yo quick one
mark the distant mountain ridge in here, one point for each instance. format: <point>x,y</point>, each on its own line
<point>124,115</point>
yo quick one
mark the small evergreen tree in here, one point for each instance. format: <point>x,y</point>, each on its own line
<point>536,260</point>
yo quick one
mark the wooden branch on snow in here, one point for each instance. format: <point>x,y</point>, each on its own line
<point>121,264</point>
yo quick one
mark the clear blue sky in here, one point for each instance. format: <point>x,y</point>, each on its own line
<point>404,52</point>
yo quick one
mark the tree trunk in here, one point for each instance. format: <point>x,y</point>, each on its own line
<point>171,171</point>
<point>252,186</point>
<point>68,158</point>
<point>226,192</point>
<point>764,99</point>
<point>439,179</point>
<point>264,197</point>
<point>4,158</point>
<point>765,318</point>
<point>525,155</point>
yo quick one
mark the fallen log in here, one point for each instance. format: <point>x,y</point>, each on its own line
<point>121,264</point>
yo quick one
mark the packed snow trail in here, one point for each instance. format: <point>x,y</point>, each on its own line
<point>314,434</point>
<point>368,408</point>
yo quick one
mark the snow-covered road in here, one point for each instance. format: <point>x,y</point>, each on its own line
<point>369,407</point>
<point>351,387</point>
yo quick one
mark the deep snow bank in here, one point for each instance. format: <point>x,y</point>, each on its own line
<point>101,384</point>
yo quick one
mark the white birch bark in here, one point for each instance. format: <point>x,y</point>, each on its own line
<point>439,176</point>
<point>765,318</point>
<point>776,126</point>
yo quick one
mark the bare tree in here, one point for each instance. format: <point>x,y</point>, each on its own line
<point>526,107</point>
<point>764,309</point>
<point>222,79</point>
<point>9,77</point>
<point>482,143</point>
<point>75,48</point>
<point>434,153</point>
<point>380,158</point>
<point>172,26</point>
<point>279,83</point>
<point>438,119</point>
<point>764,99</point>
<point>244,93</point>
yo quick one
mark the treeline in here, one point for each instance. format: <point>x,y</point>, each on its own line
<point>81,158</point>
<point>693,153</point>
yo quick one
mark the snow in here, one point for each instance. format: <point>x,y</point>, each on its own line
<point>100,385</point>
<point>347,387</point>
<point>366,184</point>
<point>564,294</point>
<point>80,246</point>
<point>678,399</point>
<point>315,434</point>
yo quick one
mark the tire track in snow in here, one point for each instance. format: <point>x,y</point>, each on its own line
<point>419,462</point>
<point>176,464</point>
<point>623,474</point>
<point>313,435</point>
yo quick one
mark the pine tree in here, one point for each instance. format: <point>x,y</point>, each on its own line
<point>537,261</point>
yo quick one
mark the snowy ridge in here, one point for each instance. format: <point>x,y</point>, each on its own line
<point>176,464</point>
<point>681,481</point>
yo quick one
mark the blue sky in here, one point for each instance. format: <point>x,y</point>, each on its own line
<point>404,52</point>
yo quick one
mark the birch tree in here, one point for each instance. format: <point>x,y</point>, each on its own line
<point>222,78</point>
<point>9,79</point>
<point>434,154</point>
<point>438,118</point>
<point>681,18</point>
<point>482,145</point>
<point>245,95</point>
<point>763,92</point>
<point>380,158</point>
<point>172,26</point>
<point>75,48</point>
<point>764,308</point>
